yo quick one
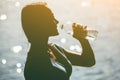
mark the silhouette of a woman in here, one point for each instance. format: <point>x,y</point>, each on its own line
<point>49,61</point>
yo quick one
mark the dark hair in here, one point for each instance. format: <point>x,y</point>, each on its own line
<point>36,18</point>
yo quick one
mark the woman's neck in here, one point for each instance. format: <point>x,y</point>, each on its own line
<point>38,48</point>
<point>41,44</point>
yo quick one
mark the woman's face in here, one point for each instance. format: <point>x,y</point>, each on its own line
<point>53,27</point>
<point>38,20</point>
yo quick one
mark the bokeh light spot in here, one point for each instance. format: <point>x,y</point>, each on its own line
<point>72,47</point>
<point>3,17</point>
<point>19,70</point>
<point>18,65</point>
<point>63,40</point>
<point>77,48</point>
<point>16,49</point>
<point>17,4</point>
<point>4,61</point>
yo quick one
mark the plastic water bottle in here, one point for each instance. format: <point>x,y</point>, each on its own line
<point>67,28</point>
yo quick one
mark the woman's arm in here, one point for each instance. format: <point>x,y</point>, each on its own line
<point>87,58</point>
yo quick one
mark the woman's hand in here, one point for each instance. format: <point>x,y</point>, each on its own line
<point>79,31</point>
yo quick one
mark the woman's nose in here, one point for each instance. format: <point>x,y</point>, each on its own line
<point>56,21</point>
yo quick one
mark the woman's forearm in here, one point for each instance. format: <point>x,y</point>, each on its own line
<point>87,53</point>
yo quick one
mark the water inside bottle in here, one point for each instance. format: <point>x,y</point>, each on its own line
<point>91,34</point>
<point>67,28</point>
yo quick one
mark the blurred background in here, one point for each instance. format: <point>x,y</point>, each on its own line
<point>102,15</point>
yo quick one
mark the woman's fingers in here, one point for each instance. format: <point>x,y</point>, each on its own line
<point>79,30</point>
<point>85,27</point>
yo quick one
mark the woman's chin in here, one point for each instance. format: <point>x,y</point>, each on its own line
<point>54,34</point>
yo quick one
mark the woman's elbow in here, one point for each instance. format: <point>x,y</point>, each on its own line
<point>90,63</point>
<point>84,63</point>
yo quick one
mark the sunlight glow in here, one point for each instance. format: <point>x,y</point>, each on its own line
<point>85,4</point>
